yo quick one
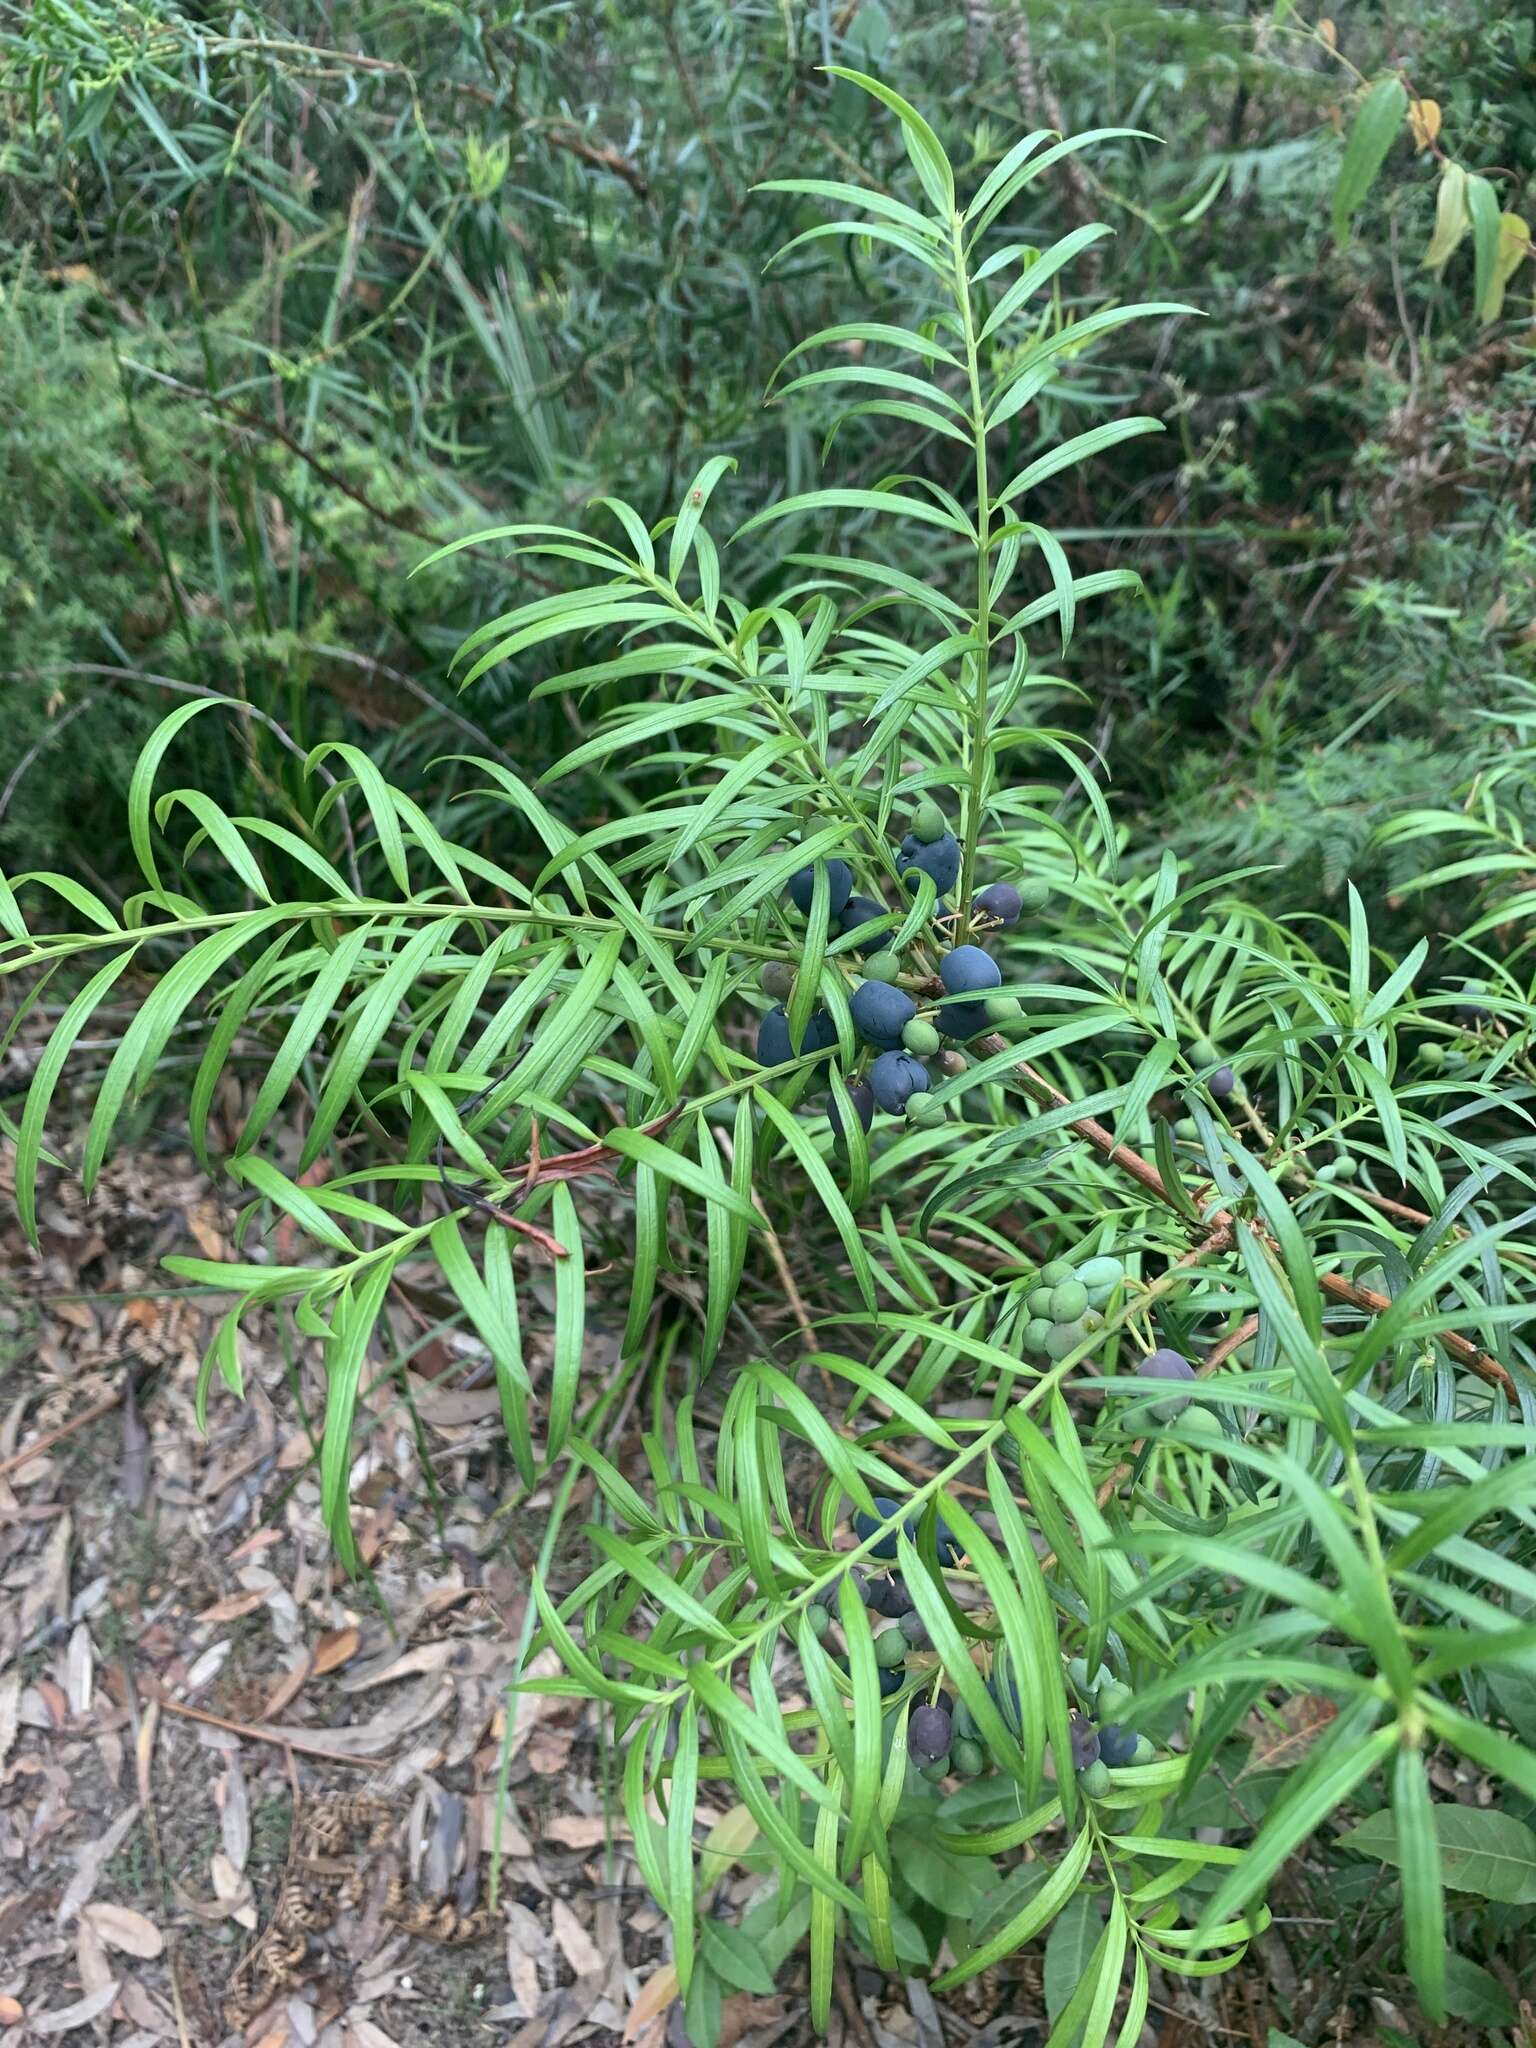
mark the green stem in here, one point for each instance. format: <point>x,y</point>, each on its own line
<point>981,657</point>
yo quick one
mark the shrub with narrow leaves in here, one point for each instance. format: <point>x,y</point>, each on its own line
<point>499,1047</point>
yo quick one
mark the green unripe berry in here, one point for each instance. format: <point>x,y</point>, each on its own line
<point>1038,1300</point>
<point>928,822</point>
<point>890,1648</point>
<point>963,1721</point>
<point>1201,1422</point>
<point>1077,1672</point>
<point>1033,896</point>
<point>1064,1338</point>
<point>923,1110</point>
<point>1186,1128</point>
<point>919,1037</point>
<point>882,966</point>
<point>1092,1322</point>
<point>1111,1701</point>
<point>1096,1781</point>
<point>820,1621</point>
<point>1144,1751</point>
<point>1329,1170</point>
<point>1202,1053</point>
<point>1432,1054</point>
<point>1068,1301</point>
<point>968,1757</point>
<point>1104,1271</point>
<point>1002,1011</point>
<point>1346,1168</point>
<point>1053,1274</point>
<point>1036,1336</point>
<point>777,980</point>
<point>937,1770</point>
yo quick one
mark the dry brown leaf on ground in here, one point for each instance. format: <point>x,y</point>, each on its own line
<point>577,1946</point>
<point>335,1648</point>
<point>583,1830</point>
<point>88,1865</point>
<point>65,2018</point>
<point>91,1965</point>
<point>235,1813</point>
<point>120,1927</point>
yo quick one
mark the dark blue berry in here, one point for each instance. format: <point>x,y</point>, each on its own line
<point>859,911</point>
<point>940,860</point>
<point>963,1020</point>
<point>881,1013</point>
<point>967,971</point>
<point>864,1526</point>
<point>862,1096</point>
<point>839,887</point>
<point>895,1077</point>
<point>1117,1745</point>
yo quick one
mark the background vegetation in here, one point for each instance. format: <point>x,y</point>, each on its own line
<point>294,298</point>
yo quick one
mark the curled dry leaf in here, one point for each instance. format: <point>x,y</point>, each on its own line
<point>335,1648</point>
<point>1281,1743</point>
<point>122,1928</point>
<point>65,2018</point>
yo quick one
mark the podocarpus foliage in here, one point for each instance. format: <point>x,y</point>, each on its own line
<point>1239,1126</point>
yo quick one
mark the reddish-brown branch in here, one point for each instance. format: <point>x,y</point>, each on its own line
<point>1147,1175</point>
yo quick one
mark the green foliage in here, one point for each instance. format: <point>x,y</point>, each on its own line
<point>499,959</point>
<point>1341,1516</point>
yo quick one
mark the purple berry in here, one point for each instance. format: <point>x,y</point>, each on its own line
<point>1085,1742</point>
<point>928,1734</point>
<point>999,901</point>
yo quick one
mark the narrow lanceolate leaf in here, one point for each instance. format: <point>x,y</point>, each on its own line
<point>29,1138</point>
<point>1483,211</point>
<point>1423,1892</point>
<point>346,1356</point>
<point>1036,1913</point>
<point>1377,124</point>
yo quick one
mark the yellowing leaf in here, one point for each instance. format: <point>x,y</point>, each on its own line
<point>730,1835</point>
<point>1513,246</point>
<point>1424,120</point>
<point>1451,218</point>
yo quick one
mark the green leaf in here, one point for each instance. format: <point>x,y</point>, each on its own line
<point>1483,210</point>
<point>734,1957</point>
<point>1473,1993</point>
<point>1072,1942</point>
<point>923,146</point>
<point>1481,1849</point>
<point>1419,1858</point>
<point>1376,127</point>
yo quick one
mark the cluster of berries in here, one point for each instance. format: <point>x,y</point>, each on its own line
<point>943,1737</point>
<point>1065,1304</point>
<point>885,1016</point>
